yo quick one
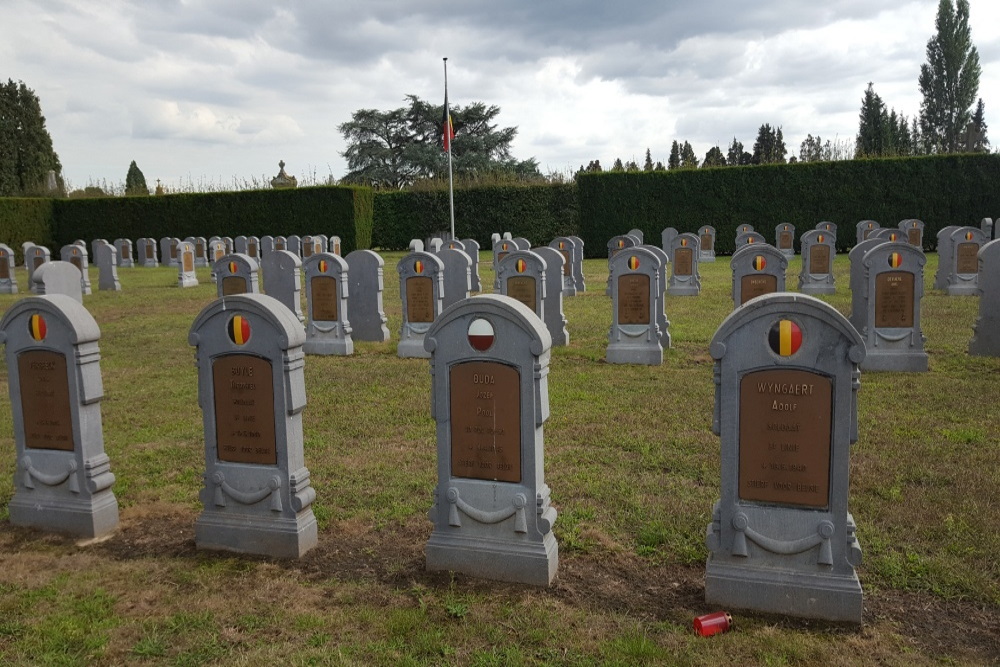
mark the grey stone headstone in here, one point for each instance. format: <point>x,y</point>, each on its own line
<point>416,245</point>
<point>749,238</point>
<point>77,256</point>
<point>784,239</point>
<point>240,245</point>
<point>472,250</point>
<point>782,539</point>
<point>307,247</point>
<point>616,244</point>
<point>581,285</point>
<point>818,252</point>
<point>891,234</point>
<point>564,245</point>
<point>864,229</point>
<point>986,331</point>
<point>914,230</point>
<point>521,243</point>
<point>661,316</point>
<point>200,251</point>
<point>216,251</point>
<point>457,275</point>
<point>8,279</point>
<point>494,237</point>
<point>328,331</point>
<point>236,274</point>
<point>522,276</point>
<point>25,247</point>
<point>758,269</point>
<point>986,224</point>
<point>501,248</point>
<point>229,244</point>
<point>743,229</point>
<point>335,245</point>
<point>859,298</point>
<point>257,497</point>
<point>324,242</point>
<point>253,248</point>
<point>283,281</point>
<point>492,513</point>
<point>706,239</point>
<point>93,247</point>
<point>126,258</point>
<point>266,246</point>
<point>555,318</point>
<point>35,257</point>
<point>963,277</point>
<point>421,289</point>
<point>667,237</point>
<point>58,278</point>
<point>107,267</point>
<point>892,291</point>
<point>434,245</point>
<point>364,297</point>
<point>828,226</point>
<point>294,245</point>
<point>506,236</point>
<point>168,251</point>
<point>636,298</point>
<point>454,244</point>
<point>63,477</point>
<point>685,280</point>
<point>280,243</point>
<point>186,276</point>
<point>637,235</point>
<point>148,252</point>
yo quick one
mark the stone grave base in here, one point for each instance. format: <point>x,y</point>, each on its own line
<point>647,354</point>
<point>328,346</point>
<point>84,517</point>
<point>970,288</point>
<point>412,348</point>
<point>278,538</point>
<point>915,362</point>
<point>187,282</point>
<point>533,563</point>
<point>805,595</point>
<point>683,290</point>
<point>818,288</point>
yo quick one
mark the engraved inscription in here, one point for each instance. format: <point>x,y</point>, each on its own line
<point>4,267</point>
<point>567,264</point>
<point>785,240</point>
<point>755,285</point>
<point>324,299</point>
<point>45,408</point>
<point>188,261</point>
<point>683,261</point>
<point>199,248</point>
<point>707,241</point>
<point>633,299</point>
<point>819,259</point>
<point>126,251</point>
<point>523,289</point>
<point>77,261</point>
<point>894,299</point>
<point>485,421</point>
<point>244,409</point>
<point>173,250</point>
<point>785,435</point>
<point>234,285</point>
<point>149,251</point>
<point>419,299</point>
<point>967,258</point>
<point>38,261</point>
<point>914,236</point>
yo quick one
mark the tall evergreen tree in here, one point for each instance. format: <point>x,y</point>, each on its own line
<point>770,146</point>
<point>648,164</point>
<point>674,161</point>
<point>872,130</point>
<point>135,182</point>
<point>735,155</point>
<point>688,159</point>
<point>949,80</point>
<point>618,166</point>
<point>26,153</point>
<point>714,158</point>
<point>976,140</point>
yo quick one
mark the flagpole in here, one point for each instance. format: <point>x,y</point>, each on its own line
<point>451,185</point>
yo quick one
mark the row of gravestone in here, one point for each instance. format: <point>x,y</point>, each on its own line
<point>781,538</point>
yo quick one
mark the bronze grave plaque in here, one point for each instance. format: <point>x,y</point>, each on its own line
<point>38,261</point>
<point>252,249</point>
<point>914,236</point>
<point>149,251</point>
<point>819,259</point>
<point>188,261</point>
<point>500,256</point>
<point>754,285</point>
<point>522,288</point>
<point>77,261</point>
<point>568,264</point>
<point>126,251</point>
<point>173,250</point>
<point>199,248</point>
<point>785,240</point>
<point>244,409</point>
<point>894,299</point>
<point>4,268</point>
<point>633,299</point>
<point>785,435</point>
<point>967,258</point>
<point>324,299</point>
<point>485,421</point>
<point>419,299</point>
<point>45,400</point>
<point>683,261</point>
<point>706,242</point>
<point>234,285</point>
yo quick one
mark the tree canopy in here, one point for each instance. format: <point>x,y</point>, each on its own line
<point>135,182</point>
<point>26,153</point>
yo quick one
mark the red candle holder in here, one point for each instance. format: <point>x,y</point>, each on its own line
<point>713,624</point>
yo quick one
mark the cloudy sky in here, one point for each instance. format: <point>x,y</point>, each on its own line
<point>214,92</point>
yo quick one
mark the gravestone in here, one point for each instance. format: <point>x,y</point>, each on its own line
<point>615,245</point>
<point>35,257</point>
<point>749,238</point>
<point>364,296</point>
<point>106,258</point>
<point>282,280</point>
<point>253,248</point>
<point>891,234</point>
<point>148,257</point>
<point>8,280</point>
<point>457,275</point>
<point>257,497</point>
<point>228,241</point>
<point>828,226</point>
<point>416,245</point>
<point>986,225</point>
<point>168,251</point>
<point>435,245</point>
<point>757,269</point>
<point>859,300</point>
<point>240,245</point>
<point>58,278</point>
<point>581,284</point>
<point>666,238</point>
<point>865,229</point>
<point>335,245</point>
<point>564,246</point>
<point>311,246</point>
<point>636,234</point>
<point>126,258</point>
<point>280,243</point>
<point>963,278</point>
<point>685,280</point>
<point>661,316</point>
<point>492,513</point>
<point>555,318</point>
<point>472,250</point>
<point>454,244</point>
<point>914,230</point>
<point>186,276</point>
<point>784,237</point>
<point>294,245</point>
<point>216,251</point>
<point>506,236</point>
<point>93,248</point>
<point>25,247</point>
<point>892,290</point>
<point>522,278</point>
<point>782,539</point>
<point>200,251</point>
<point>324,242</point>
<point>329,329</point>
<point>421,289</point>
<point>501,248</point>
<point>522,243</point>
<point>818,252</point>
<point>743,229</point>
<point>636,297</point>
<point>77,256</point>
<point>236,274</point>
<point>63,477</point>
<point>266,246</point>
<point>986,331</point>
<point>706,240</point>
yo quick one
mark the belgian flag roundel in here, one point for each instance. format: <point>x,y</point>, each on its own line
<point>759,263</point>
<point>322,266</point>
<point>521,266</point>
<point>232,267</point>
<point>895,260</point>
<point>750,240</point>
<point>562,245</point>
<point>820,238</point>
<point>684,243</point>
<point>418,266</point>
<point>36,327</point>
<point>621,243</point>
<point>785,338</point>
<point>968,236</point>
<point>239,330</point>
<point>633,262</point>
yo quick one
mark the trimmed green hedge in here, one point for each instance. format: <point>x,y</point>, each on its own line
<point>536,212</point>
<point>939,190</point>
<point>25,220</point>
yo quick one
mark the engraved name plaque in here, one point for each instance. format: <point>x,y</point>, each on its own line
<point>785,240</point>
<point>755,285</point>
<point>4,268</point>
<point>967,258</point>
<point>244,409</point>
<point>683,261</point>
<point>633,299</point>
<point>324,299</point>
<point>568,264</point>
<point>45,400</point>
<point>522,288</point>
<point>77,261</point>
<point>485,421</point>
<point>706,241</point>
<point>785,435</point>
<point>419,299</point>
<point>234,285</point>
<point>189,261</point>
<point>819,259</point>
<point>38,261</point>
<point>914,236</point>
<point>126,251</point>
<point>173,250</point>
<point>149,251</point>
<point>894,299</point>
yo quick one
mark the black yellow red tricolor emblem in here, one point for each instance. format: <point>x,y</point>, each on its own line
<point>232,267</point>
<point>418,266</point>
<point>633,262</point>
<point>36,327</point>
<point>684,243</point>
<point>239,330</point>
<point>895,260</point>
<point>521,265</point>
<point>759,263</point>
<point>322,266</point>
<point>785,338</point>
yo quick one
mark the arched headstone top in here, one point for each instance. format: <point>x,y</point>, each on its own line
<point>80,325</point>
<point>498,306</point>
<point>267,308</point>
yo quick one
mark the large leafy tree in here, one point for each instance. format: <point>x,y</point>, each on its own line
<point>393,149</point>
<point>949,80</point>
<point>135,182</point>
<point>26,153</point>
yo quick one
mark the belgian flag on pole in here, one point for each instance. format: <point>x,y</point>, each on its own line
<point>447,127</point>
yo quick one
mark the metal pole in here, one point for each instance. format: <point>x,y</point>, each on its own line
<point>451,184</point>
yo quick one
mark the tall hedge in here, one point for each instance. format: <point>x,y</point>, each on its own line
<point>25,220</point>
<point>939,190</point>
<point>536,212</point>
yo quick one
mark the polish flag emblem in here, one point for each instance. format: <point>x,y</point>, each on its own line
<point>481,334</point>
